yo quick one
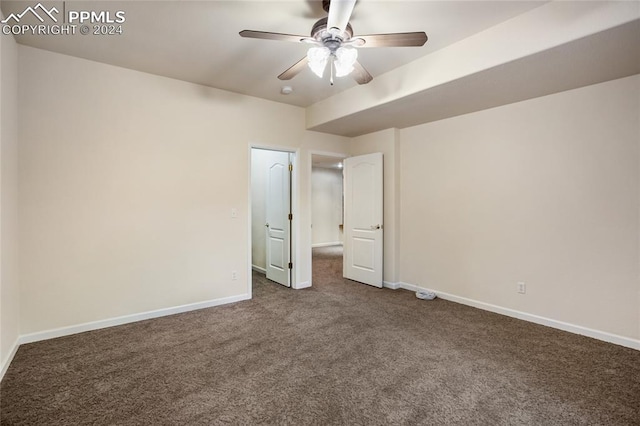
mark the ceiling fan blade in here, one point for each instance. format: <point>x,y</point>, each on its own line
<point>394,40</point>
<point>271,36</point>
<point>360,74</point>
<point>340,13</point>
<point>294,69</point>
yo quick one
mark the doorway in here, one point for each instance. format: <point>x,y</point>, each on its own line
<point>272,204</point>
<point>360,213</point>
<point>327,205</point>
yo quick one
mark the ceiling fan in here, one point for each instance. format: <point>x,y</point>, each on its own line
<point>332,41</point>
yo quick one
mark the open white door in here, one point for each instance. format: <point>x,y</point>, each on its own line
<point>363,219</point>
<point>278,209</point>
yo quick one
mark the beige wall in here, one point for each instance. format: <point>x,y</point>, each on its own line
<point>9,290</point>
<point>386,142</point>
<point>326,205</point>
<point>127,181</point>
<point>544,191</point>
<point>126,186</point>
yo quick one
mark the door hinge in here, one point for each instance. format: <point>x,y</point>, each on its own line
<point>290,167</point>
<point>290,216</point>
<point>290,265</point>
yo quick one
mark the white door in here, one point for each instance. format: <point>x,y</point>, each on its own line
<point>363,219</point>
<point>278,209</point>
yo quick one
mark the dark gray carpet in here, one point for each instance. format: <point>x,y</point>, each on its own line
<point>338,353</point>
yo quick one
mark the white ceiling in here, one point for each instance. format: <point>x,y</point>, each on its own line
<point>604,56</point>
<point>198,41</point>
<point>480,54</point>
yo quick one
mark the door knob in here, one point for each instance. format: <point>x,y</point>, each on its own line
<point>267,225</point>
<point>376,226</point>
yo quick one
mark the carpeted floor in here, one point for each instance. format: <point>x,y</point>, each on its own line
<point>338,353</point>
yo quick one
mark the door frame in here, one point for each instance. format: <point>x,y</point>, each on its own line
<point>295,209</point>
<point>309,190</point>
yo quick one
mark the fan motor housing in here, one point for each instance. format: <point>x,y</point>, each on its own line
<point>320,33</point>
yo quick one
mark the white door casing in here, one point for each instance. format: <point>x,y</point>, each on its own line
<point>363,211</point>
<point>278,209</point>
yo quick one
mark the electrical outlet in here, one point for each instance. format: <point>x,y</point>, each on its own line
<point>522,287</point>
<point>234,275</point>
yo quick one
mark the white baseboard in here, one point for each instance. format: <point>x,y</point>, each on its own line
<point>572,328</point>
<point>258,269</point>
<point>305,284</point>
<point>392,286</point>
<point>335,243</point>
<point>126,319</point>
<point>4,365</point>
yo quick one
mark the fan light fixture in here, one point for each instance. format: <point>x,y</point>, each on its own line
<point>318,57</point>
<point>344,59</point>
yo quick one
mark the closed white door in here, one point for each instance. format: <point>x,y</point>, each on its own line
<point>363,219</point>
<point>278,209</point>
